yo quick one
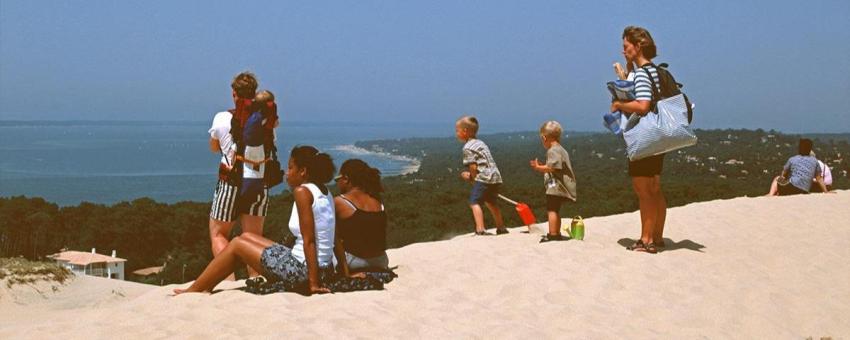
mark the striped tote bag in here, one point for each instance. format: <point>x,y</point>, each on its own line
<point>659,132</point>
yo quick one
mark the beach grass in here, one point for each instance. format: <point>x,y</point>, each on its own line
<point>19,270</point>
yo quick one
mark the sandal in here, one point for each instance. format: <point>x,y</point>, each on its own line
<point>547,238</point>
<point>482,233</point>
<point>254,284</point>
<point>648,248</point>
<point>637,245</point>
<point>502,231</point>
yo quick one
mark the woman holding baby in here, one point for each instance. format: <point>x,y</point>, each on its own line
<point>639,50</point>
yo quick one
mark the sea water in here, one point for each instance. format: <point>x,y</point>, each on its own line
<point>108,162</point>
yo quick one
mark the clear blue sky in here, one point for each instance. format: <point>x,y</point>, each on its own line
<point>769,64</point>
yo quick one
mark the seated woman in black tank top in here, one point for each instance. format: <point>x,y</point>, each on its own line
<point>361,222</point>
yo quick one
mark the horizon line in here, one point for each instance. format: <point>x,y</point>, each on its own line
<point>107,122</point>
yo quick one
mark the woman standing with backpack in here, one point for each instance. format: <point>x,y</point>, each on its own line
<point>639,50</point>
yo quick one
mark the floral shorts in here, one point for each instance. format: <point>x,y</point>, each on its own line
<point>285,270</point>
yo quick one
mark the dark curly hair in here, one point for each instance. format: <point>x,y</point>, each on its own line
<point>319,165</point>
<point>362,176</point>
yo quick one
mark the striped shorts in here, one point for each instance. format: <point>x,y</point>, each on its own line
<point>224,206</point>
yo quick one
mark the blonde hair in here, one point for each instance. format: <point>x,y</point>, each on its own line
<point>470,123</point>
<point>551,129</point>
<point>264,96</point>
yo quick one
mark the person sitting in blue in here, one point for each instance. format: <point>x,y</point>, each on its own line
<point>798,173</point>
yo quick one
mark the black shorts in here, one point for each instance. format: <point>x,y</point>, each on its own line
<point>647,167</point>
<point>789,189</point>
<point>553,203</point>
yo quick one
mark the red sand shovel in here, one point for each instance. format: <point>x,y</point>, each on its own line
<point>523,210</point>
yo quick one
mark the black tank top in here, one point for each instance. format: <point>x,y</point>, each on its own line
<point>364,233</point>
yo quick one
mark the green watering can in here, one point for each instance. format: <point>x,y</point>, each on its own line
<point>576,230</point>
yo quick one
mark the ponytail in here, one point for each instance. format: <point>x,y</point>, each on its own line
<point>319,165</point>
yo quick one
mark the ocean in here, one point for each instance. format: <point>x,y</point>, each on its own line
<point>109,162</point>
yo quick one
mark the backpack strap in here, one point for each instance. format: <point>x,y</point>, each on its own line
<point>656,92</point>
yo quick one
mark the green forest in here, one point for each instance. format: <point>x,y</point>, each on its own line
<point>427,205</point>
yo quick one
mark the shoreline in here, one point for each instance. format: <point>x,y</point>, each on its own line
<point>413,163</point>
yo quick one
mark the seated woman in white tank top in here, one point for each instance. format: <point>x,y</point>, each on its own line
<point>308,264</point>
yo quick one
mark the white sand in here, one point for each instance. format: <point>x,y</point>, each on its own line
<point>765,268</point>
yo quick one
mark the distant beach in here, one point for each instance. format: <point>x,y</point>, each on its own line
<point>68,162</point>
<point>108,162</point>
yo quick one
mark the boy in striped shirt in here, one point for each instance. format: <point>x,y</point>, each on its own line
<point>483,174</point>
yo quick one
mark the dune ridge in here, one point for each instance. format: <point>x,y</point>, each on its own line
<point>741,268</point>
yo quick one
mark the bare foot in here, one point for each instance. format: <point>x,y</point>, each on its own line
<point>179,291</point>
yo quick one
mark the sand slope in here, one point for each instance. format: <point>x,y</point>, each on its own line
<point>774,268</point>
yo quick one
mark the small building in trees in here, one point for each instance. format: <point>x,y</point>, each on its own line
<point>93,264</point>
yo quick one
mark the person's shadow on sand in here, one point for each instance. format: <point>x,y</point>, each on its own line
<point>670,245</point>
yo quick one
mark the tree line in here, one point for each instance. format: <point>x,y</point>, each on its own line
<point>423,206</point>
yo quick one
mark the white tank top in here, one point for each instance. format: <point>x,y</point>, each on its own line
<point>323,215</point>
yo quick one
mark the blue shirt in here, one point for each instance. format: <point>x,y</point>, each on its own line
<point>802,170</point>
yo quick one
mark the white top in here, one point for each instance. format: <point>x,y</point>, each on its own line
<point>323,215</point>
<point>825,173</point>
<point>254,153</point>
<point>220,130</point>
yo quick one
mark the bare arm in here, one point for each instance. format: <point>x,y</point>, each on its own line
<point>640,107</point>
<point>339,252</point>
<point>215,146</point>
<point>307,223</point>
<point>473,171</point>
<point>819,179</point>
<point>541,168</point>
<point>342,209</point>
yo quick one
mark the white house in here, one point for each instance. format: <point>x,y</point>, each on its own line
<point>93,264</point>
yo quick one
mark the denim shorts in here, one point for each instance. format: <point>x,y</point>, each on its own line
<point>356,263</point>
<point>483,192</point>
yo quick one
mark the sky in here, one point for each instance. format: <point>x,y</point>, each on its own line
<point>778,64</point>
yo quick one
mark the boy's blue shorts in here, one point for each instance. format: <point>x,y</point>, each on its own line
<point>483,192</point>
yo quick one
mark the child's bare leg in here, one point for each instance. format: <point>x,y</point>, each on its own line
<point>497,214</point>
<point>224,263</point>
<point>554,223</point>
<point>478,216</point>
<point>774,187</point>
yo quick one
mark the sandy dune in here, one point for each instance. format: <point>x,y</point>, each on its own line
<point>767,268</point>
